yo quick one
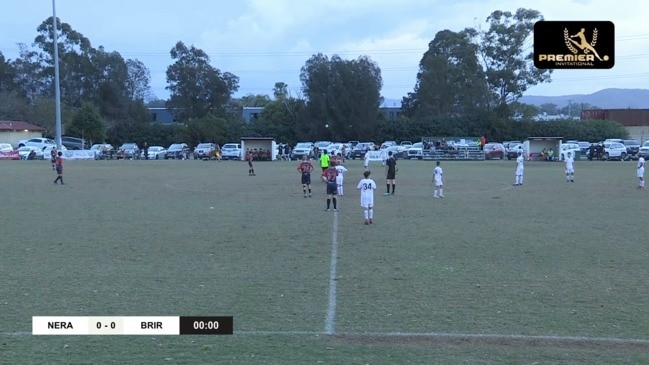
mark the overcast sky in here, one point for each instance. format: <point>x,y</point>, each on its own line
<point>265,41</point>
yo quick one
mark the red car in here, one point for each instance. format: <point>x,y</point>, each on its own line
<point>493,151</point>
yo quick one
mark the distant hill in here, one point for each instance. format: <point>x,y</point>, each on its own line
<point>605,99</point>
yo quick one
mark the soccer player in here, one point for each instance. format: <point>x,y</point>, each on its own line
<point>59,168</point>
<point>570,169</point>
<point>324,160</point>
<point>53,158</point>
<point>339,179</point>
<point>520,169</point>
<point>305,167</point>
<point>366,162</point>
<point>251,169</point>
<point>367,187</point>
<point>391,167</point>
<point>640,172</point>
<point>437,179</point>
<point>329,176</point>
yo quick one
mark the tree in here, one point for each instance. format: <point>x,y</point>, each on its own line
<point>87,123</point>
<point>506,55</point>
<point>342,96</point>
<point>549,108</point>
<point>197,88</point>
<point>254,100</point>
<point>280,91</point>
<point>7,75</point>
<point>450,81</point>
<point>138,83</point>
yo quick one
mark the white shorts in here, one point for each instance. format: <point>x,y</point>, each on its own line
<point>438,182</point>
<point>339,180</point>
<point>641,172</point>
<point>570,171</point>
<point>367,202</point>
<point>519,171</point>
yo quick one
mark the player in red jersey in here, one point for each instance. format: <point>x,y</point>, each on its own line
<point>329,176</point>
<point>305,167</point>
<point>59,168</point>
<point>251,170</point>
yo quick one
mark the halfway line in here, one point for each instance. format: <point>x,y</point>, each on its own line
<point>331,309</point>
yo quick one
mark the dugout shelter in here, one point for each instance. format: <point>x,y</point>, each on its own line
<point>534,145</point>
<point>258,143</point>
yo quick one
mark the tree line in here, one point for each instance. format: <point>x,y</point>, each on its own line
<point>468,84</point>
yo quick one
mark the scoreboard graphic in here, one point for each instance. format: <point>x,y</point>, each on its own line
<point>132,325</point>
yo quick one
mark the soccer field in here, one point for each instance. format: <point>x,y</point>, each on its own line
<point>546,273</point>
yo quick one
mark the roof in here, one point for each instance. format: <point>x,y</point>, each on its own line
<point>543,138</point>
<point>259,138</point>
<point>14,125</point>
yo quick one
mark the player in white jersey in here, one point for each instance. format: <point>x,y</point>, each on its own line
<point>520,169</point>
<point>641,172</point>
<point>437,179</point>
<point>339,179</point>
<point>367,187</point>
<point>366,163</point>
<point>570,168</point>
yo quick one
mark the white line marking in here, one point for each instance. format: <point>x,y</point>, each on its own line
<point>439,335</point>
<point>330,321</point>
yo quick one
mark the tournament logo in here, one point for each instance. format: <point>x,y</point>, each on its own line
<point>574,45</point>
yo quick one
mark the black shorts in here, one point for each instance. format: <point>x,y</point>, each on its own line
<point>332,188</point>
<point>391,175</point>
<point>249,163</point>
<point>306,179</point>
<point>59,169</point>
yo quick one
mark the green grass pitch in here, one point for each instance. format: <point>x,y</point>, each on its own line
<point>547,273</point>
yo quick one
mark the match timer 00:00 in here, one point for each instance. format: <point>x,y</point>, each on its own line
<point>206,325</point>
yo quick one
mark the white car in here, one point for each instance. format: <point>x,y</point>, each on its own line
<point>573,148</point>
<point>614,151</point>
<point>40,143</point>
<point>47,151</point>
<point>24,152</point>
<point>6,147</point>
<point>644,150</point>
<point>334,149</point>
<point>302,149</point>
<point>416,151</point>
<point>231,151</point>
<point>156,153</point>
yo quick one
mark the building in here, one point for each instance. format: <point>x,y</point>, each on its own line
<point>636,121</point>
<point>251,113</point>
<point>162,116</point>
<point>13,131</point>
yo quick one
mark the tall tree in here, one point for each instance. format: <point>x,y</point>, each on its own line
<point>343,96</point>
<point>138,84</point>
<point>196,88</point>
<point>505,49</point>
<point>7,75</point>
<point>450,81</point>
<point>255,100</point>
<point>87,123</point>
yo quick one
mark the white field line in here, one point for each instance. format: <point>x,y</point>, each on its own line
<point>330,321</point>
<point>434,335</point>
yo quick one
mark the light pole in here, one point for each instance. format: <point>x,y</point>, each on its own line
<point>57,88</point>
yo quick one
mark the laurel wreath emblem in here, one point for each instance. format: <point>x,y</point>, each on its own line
<point>566,39</point>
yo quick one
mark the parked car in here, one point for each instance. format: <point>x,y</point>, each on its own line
<point>573,148</point>
<point>644,150</point>
<point>405,145</point>
<point>129,150</point>
<point>322,145</point>
<point>39,143</point>
<point>102,151</point>
<point>204,151</point>
<point>25,151</point>
<point>513,150</point>
<point>632,148</point>
<point>584,146</point>
<point>302,149</point>
<point>493,151</point>
<point>231,151</point>
<point>6,147</point>
<point>73,143</point>
<point>361,149</point>
<point>353,143</point>
<point>334,149</point>
<point>397,151</point>
<point>177,151</point>
<point>156,153</point>
<point>614,151</point>
<point>415,151</point>
<point>388,144</point>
